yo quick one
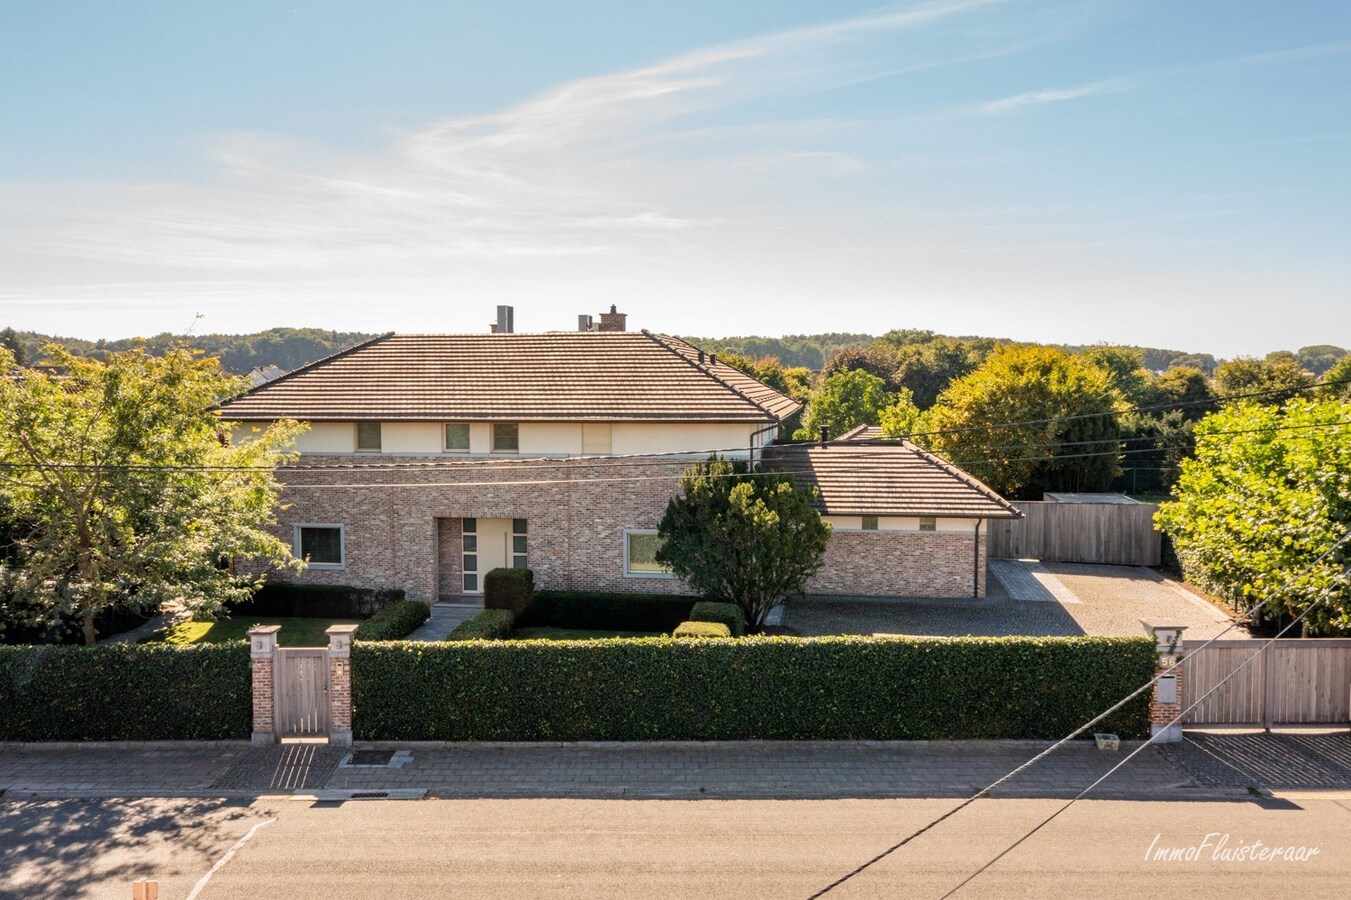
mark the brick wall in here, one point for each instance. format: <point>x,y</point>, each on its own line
<point>402,528</point>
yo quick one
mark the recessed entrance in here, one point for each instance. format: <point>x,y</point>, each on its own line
<point>487,544</point>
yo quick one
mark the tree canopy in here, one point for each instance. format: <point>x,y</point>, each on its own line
<point>843,401</point>
<point>121,488</point>
<point>1268,491</point>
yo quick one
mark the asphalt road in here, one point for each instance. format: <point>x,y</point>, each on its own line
<point>700,849</point>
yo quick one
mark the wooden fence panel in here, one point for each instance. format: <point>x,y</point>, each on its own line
<point>1292,682</point>
<point>1107,533</point>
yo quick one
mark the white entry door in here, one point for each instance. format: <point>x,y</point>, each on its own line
<point>491,544</point>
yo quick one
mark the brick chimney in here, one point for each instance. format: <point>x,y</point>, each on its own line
<point>614,320</point>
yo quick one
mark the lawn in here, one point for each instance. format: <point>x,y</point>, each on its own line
<point>295,632</point>
<point>574,634</point>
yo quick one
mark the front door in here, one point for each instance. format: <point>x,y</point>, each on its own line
<point>489,544</point>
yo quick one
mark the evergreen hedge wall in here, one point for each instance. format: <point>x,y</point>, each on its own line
<point>779,688</point>
<point>125,692</point>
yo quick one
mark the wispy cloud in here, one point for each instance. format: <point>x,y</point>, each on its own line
<point>1028,99</point>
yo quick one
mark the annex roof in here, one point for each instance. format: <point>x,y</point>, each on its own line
<point>886,478</point>
<point>552,376</point>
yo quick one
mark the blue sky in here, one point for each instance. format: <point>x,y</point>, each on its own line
<point>1163,173</point>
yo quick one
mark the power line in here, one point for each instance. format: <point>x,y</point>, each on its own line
<point>1078,731</point>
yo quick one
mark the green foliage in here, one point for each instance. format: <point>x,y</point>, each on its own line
<point>593,610</point>
<point>1280,374</point>
<point>9,340</point>
<point>877,360</point>
<point>128,491</point>
<point>748,537</point>
<point>808,351</point>
<point>329,601</point>
<point>489,625</point>
<point>728,614</point>
<point>777,688</point>
<point>125,692</point>
<point>795,382</point>
<point>508,589</point>
<point>1338,379</point>
<point>1031,384</point>
<point>701,630</point>
<point>1269,491</point>
<point>1320,357</point>
<point>296,631</point>
<point>843,401</point>
<point>1182,385</point>
<point>396,620</point>
<point>903,417</point>
<point>1125,367</point>
<point>926,369</point>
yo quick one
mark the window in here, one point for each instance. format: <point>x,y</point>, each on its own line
<point>928,523</point>
<point>457,437</point>
<point>506,438</point>
<point>518,544</point>
<point>870,523</point>
<point>469,544</point>
<point>368,435</point>
<point>596,437</point>
<point>320,545</point>
<point>640,555</point>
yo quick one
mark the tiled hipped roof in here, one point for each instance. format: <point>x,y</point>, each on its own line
<point>557,376</point>
<point>886,478</point>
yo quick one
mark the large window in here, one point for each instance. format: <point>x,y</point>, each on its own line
<point>640,555</point>
<point>506,438</point>
<point>320,545</point>
<point>457,437</point>
<point>368,436</point>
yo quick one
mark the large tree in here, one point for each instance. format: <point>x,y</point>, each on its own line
<point>928,368</point>
<point>843,401</point>
<point>120,487</point>
<point>1269,491</point>
<point>742,535</point>
<point>1067,439</point>
<point>1278,377</point>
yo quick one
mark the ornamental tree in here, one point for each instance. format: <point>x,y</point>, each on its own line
<point>1268,491</point>
<point>120,488</point>
<point>742,535</point>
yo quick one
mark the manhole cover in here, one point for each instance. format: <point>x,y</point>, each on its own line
<point>371,758</point>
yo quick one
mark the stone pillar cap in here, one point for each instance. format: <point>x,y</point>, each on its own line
<point>341,629</point>
<point>1153,625</point>
<point>265,629</point>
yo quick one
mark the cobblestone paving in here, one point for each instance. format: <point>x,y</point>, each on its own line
<point>102,769</point>
<point>1268,760</point>
<point>289,767</point>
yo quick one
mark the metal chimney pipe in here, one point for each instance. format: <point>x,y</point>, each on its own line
<point>506,320</point>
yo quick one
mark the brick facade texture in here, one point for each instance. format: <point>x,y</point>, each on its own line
<point>402,527</point>
<point>263,716</point>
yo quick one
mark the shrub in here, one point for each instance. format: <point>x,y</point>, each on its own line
<point>510,589</point>
<point>489,625</point>
<point>729,614</point>
<point>325,601</point>
<point>396,620</point>
<point>701,630</point>
<point>125,692</point>
<point>771,688</point>
<point>607,611</point>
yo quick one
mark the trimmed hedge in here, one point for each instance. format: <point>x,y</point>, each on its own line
<point>729,614</point>
<point>510,589</point>
<point>396,620</point>
<point>489,625</point>
<point>320,601</point>
<point>606,611</point>
<point>777,688</point>
<point>125,692</point>
<point>701,630</point>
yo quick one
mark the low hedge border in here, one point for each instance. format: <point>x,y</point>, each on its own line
<point>316,601</point>
<point>396,620</point>
<point>771,688</point>
<point>606,611</point>
<point>701,630</point>
<point>489,625</point>
<point>125,692</point>
<point>729,614</point>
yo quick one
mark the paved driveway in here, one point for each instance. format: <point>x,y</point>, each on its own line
<point>1026,597</point>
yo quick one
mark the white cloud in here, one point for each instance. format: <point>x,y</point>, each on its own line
<point>1019,102</point>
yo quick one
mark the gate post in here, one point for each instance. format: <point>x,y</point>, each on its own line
<point>1165,704</point>
<point>262,659</point>
<point>340,684</point>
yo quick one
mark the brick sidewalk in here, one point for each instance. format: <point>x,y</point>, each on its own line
<point>752,769</point>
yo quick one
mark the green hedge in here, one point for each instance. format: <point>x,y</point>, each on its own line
<point>779,688</point>
<point>606,611</point>
<point>702,630</point>
<point>324,601</point>
<point>489,625</point>
<point>729,614</point>
<point>509,589</point>
<point>396,620</point>
<point>125,692</point>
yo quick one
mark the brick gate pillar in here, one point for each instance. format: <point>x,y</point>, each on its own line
<point>262,653</point>
<point>340,684</point>
<point>1166,703</point>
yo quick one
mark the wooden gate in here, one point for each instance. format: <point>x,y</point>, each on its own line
<point>1117,534</point>
<point>1291,682</point>
<point>302,692</point>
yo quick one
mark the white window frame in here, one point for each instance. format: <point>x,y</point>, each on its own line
<point>492,437</point>
<point>342,545</point>
<point>665,576</point>
<point>466,448</point>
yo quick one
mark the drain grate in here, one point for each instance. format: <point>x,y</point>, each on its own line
<point>369,795</point>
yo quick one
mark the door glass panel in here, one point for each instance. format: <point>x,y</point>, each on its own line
<point>518,544</point>
<point>518,562</point>
<point>470,562</point>
<point>518,526</point>
<point>470,543</point>
<point>470,526</point>
<point>470,583</point>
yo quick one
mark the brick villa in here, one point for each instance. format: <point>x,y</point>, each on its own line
<point>431,459</point>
